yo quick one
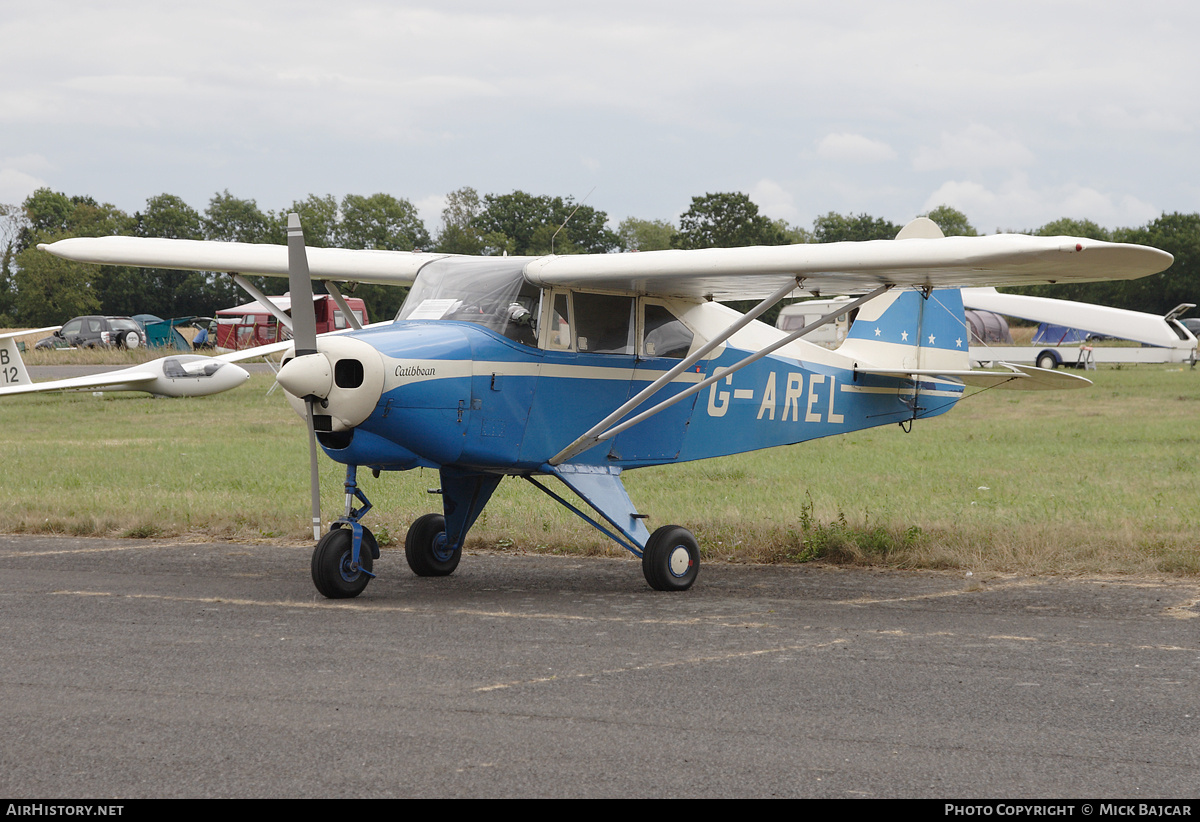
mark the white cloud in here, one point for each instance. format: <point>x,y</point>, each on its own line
<point>421,96</point>
<point>430,210</point>
<point>18,179</point>
<point>990,209</point>
<point>774,201</point>
<point>974,147</point>
<point>854,148</point>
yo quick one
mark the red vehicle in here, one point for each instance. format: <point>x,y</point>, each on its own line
<point>250,325</point>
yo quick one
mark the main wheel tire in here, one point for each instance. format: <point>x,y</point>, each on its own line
<point>331,571</point>
<point>671,561</point>
<point>1047,360</point>
<point>132,339</point>
<point>426,549</point>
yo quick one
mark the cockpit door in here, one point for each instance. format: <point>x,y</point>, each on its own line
<point>663,340</point>
<point>588,343</point>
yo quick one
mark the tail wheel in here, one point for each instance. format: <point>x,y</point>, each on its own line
<point>671,561</point>
<point>427,548</point>
<point>332,570</point>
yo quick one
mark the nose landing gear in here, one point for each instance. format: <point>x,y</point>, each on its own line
<point>342,560</point>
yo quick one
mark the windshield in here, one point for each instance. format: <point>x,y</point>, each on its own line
<point>490,292</point>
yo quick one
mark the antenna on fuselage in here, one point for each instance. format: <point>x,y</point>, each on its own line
<point>569,216</point>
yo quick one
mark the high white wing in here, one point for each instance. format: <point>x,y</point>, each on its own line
<point>842,268</point>
<point>717,273</point>
<point>384,267</point>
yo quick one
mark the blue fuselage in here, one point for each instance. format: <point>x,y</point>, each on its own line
<point>459,394</point>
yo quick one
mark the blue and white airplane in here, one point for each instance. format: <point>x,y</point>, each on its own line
<point>582,367</point>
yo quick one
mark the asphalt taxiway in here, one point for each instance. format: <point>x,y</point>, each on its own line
<point>162,669</point>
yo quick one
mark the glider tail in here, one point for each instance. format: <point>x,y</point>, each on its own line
<point>12,367</point>
<point>909,330</point>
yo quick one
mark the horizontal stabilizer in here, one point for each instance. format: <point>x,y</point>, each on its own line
<point>1017,378</point>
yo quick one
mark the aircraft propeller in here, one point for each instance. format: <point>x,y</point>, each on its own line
<point>308,375</point>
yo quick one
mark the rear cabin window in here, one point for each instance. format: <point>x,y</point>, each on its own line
<point>664,334</point>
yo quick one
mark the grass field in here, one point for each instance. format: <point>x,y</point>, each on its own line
<point>1102,480</point>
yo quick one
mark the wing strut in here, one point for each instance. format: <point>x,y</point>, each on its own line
<point>598,433</point>
<point>341,304</point>
<point>265,301</point>
<point>589,439</point>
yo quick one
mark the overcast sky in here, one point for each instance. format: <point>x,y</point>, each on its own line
<point>1017,113</point>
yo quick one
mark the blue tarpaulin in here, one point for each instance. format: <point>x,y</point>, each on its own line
<point>1048,334</point>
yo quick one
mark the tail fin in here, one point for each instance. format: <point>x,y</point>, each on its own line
<point>909,330</point>
<point>12,367</point>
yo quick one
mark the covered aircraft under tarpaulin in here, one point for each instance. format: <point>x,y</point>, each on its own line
<point>580,367</point>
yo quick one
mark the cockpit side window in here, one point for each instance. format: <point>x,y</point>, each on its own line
<point>558,322</point>
<point>604,323</point>
<point>523,316</point>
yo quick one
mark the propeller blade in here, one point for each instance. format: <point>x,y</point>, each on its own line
<point>304,318</point>
<point>304,332</point>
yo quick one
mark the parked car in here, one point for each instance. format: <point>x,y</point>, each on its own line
<point>46,343</point>
<point>93,331</point>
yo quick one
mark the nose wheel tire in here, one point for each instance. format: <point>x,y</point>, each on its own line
<point>671,561</point>
<point>427,549</point>
<point>332,570</point>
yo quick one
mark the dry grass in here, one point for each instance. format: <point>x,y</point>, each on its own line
<point>1096,481</point>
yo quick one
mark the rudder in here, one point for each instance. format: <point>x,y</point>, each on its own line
<point>12,367</point>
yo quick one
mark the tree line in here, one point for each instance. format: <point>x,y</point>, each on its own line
<point>39,289</point>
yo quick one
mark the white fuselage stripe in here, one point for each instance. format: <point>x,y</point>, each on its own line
<point>408,371</point>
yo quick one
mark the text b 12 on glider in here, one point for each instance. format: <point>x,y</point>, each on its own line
<point>581,367</point>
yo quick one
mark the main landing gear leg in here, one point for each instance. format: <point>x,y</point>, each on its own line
<point>342,560</point>
<point>434,543</point>
<point>670,556</point>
